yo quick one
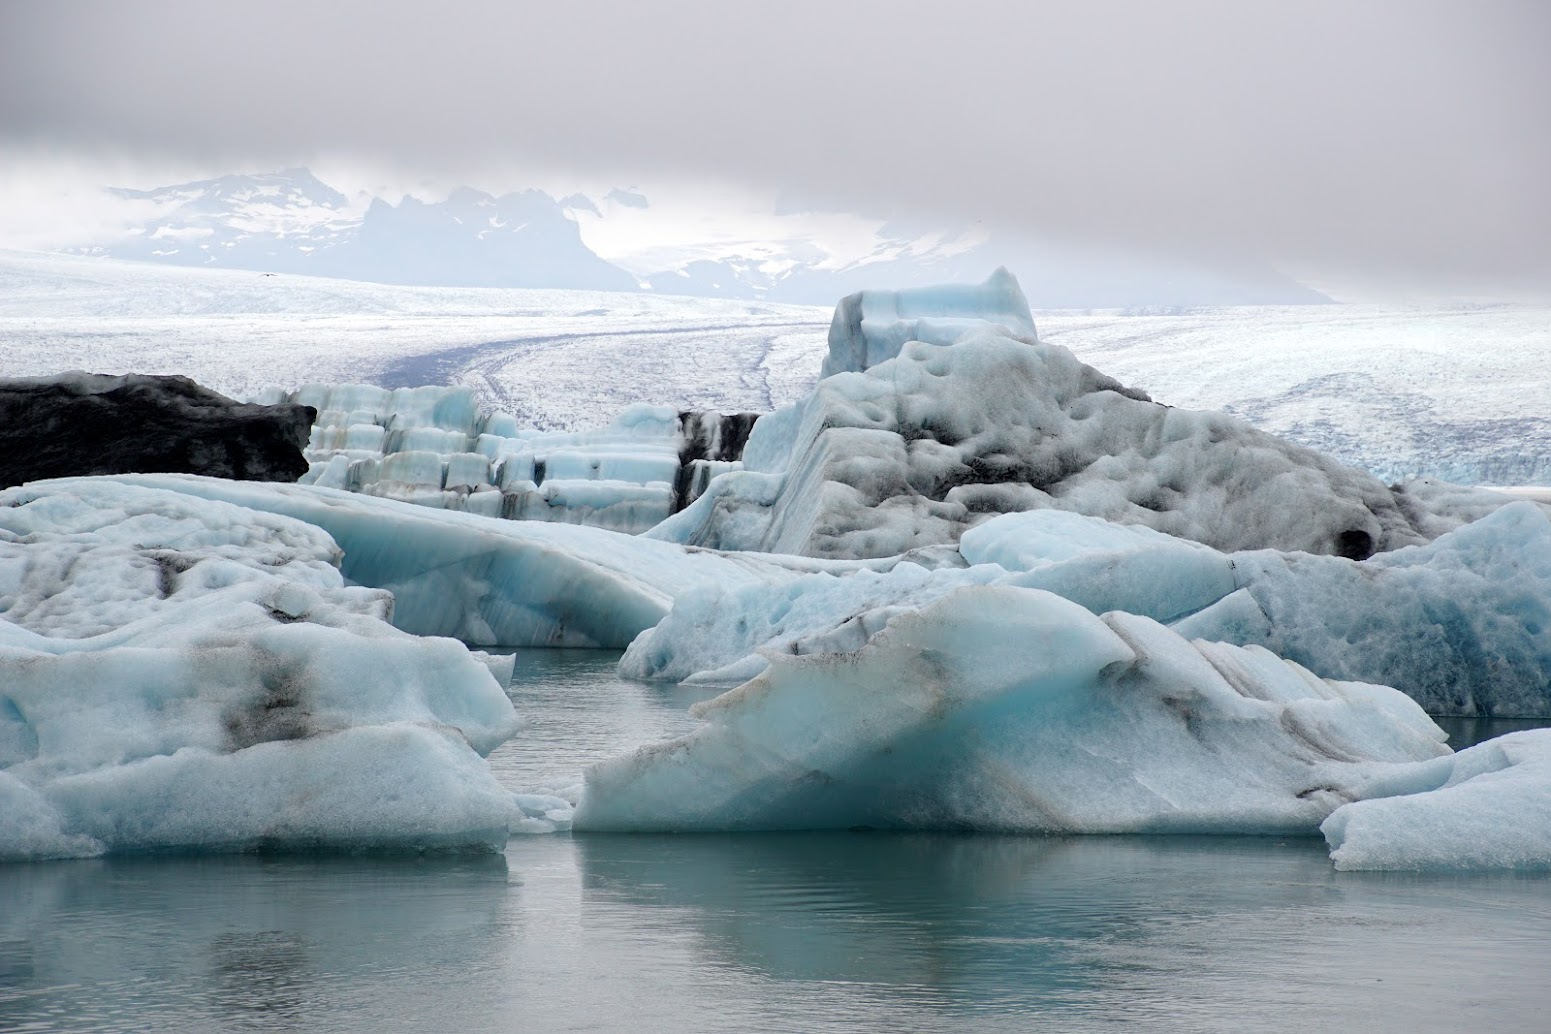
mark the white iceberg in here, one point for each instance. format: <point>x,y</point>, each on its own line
<point>1004,708</point>
<point>1488,807</point>
<point>177,673</point>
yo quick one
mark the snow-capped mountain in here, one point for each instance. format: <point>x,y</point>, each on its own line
<point>266,221</point>
<point>292,222</point>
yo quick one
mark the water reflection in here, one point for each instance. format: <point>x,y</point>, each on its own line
<point>1173,933</point>
<point>238,942</point>
<point>261,976</point>
<point>1467,732</point>
<point>578,712</point>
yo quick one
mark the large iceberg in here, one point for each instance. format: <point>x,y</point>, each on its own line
<point>1006,708</point>
<point>911,443</point>
<point>177,673</point>
<point>1488,807</point>
<point>1457,624</point>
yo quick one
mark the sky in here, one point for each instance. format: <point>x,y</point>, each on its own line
<point>1404,141</point>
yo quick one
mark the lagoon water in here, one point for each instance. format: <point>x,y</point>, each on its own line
<point>777,932</point>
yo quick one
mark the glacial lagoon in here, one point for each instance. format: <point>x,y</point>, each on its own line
<point>768,932</point>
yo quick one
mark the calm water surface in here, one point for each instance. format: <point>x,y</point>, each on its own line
<point>776,932</point>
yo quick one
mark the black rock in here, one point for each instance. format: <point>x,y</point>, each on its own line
<point>80,423</point>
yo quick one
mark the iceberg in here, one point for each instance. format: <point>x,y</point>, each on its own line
<point>719,634</point>
<point>1488,807</point>
<point>1459,624</point>
<point>1456,624</point>
<point>500,583</point>
<point>1007,708</point>
<point>177,673</point>
<point>908,443</point>
<point>435,446</point>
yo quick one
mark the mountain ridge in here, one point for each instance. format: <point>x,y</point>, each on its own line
<point>290,221</point>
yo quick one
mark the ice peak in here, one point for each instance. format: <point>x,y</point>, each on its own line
<point>870,326</point>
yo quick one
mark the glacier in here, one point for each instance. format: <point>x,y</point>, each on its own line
<point>1006,708</point>
<point>967,582</point>
<point>181,674</point>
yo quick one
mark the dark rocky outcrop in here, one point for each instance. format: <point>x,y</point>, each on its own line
<point>80,424</point>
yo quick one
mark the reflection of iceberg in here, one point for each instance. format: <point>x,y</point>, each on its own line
<point>947,932</point>
<point>997,707</point>
<point>902,911</point>
<point>238,941</point>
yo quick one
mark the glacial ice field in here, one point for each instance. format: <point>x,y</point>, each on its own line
<point>1448,391</point>
<point>965,581</point>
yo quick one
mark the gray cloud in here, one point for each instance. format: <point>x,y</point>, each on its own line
<point>1407,137</point>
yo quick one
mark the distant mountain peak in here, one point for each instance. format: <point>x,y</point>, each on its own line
<point>628,198</point>
<point>290,221</point>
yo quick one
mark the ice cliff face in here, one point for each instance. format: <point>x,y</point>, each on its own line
<point>79,423</point>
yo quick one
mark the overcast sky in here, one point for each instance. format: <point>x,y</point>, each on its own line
<point>1403,138</point>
